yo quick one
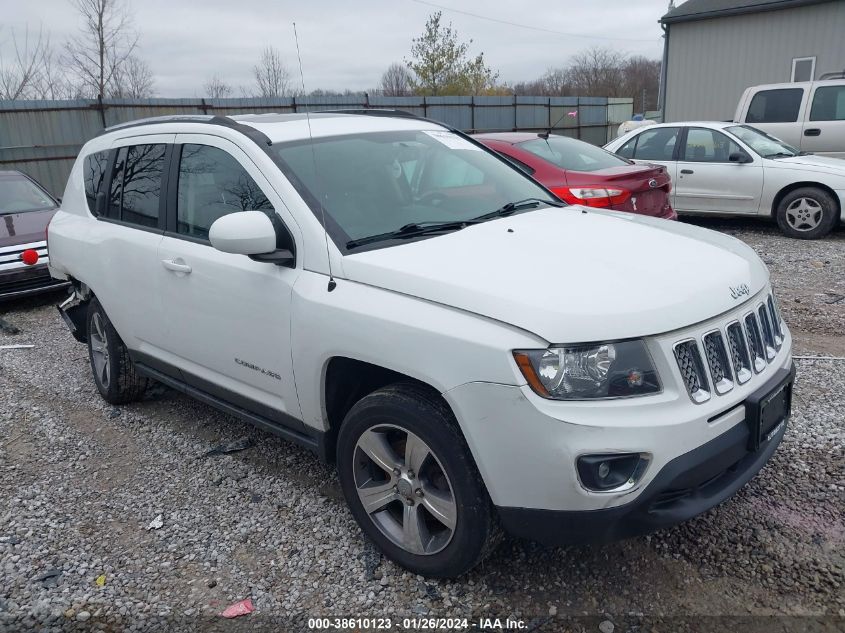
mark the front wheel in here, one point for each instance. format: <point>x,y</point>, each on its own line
<point>807,213</point>
<point>411,483</point>
<point>114,373</point>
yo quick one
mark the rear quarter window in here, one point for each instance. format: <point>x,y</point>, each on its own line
<point>94,171</point>
<point>775,106</point>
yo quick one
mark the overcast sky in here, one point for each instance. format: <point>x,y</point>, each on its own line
<point>348,44</point>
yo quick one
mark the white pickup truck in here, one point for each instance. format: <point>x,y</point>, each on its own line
<point>808,115</point>
<point>471,352</point>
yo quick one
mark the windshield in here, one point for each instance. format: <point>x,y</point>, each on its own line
<point>19,194</point>
<point>765,145</point>
<point>379,182</point>
<point>572,154</point>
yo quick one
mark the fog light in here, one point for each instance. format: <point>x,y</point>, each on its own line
<point>612,471</point>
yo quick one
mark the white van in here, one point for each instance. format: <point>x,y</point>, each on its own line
<point>809,115</point>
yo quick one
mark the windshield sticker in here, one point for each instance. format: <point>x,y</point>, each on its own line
<point>452,141</point>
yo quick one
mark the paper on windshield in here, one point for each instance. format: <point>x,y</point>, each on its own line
<point>451,140</point>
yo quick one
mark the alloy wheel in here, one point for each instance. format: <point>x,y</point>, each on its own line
<point>100,350</point>
<point>804,214</point>
<point>404,489</point>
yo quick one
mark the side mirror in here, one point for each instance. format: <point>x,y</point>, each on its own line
<point>739,157</point>
<point>243,233</point>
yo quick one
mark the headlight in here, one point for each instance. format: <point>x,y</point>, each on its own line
<point>579,372</point>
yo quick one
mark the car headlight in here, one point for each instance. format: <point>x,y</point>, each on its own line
<point>596,370</point>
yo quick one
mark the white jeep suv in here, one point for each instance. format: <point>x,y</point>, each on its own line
<point>472,353</point>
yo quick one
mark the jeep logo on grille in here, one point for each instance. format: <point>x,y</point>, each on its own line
<point>740,290</point>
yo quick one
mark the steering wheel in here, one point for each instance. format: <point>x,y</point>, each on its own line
<point>435,198</point>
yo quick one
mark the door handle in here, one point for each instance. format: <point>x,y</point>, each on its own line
<point>177,266</point>
<point>687,171</point>
<point>813,131</point>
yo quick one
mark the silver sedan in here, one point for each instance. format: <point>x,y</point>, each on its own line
<point>731,169</point>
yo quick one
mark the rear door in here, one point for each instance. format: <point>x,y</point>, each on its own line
<point>708,182</point>
<point>127,237</point>
<point>228,317</point>
<point>824,130</point>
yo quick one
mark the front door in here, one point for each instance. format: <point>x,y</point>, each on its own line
<point>228,317</point>
<point>708,182</point>
<point>824,130</point>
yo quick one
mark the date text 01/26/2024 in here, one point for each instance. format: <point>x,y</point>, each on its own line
<point>417,624</point>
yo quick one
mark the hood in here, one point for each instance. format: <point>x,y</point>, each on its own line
<point>572,275</point>
<point>811,162</point>
<point>26,227</point>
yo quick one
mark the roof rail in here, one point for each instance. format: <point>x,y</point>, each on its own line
<point>388,112</point>
<point>208,119</point>
<point>840,74</point>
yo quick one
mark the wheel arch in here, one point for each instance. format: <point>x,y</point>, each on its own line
<point>345,381</point>
<point>780,195</point>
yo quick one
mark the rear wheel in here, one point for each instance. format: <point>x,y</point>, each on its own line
<point>411,483</point>
<point>807,213</point>
<point>114,373</point>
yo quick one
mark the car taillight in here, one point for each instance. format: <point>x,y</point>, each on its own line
<point>593,196</point>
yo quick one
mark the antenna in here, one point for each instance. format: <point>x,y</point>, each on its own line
<point>546,134</point>
<point>332,282</point>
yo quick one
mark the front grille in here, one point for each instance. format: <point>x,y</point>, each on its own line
<point>739,353</point>
<point>755,342</point>
<point>768,331</point>
<point>731,353</point>
<point>717,360</point>
<point>692,370</point>
<point>776,321</point>
<point>10,256</point>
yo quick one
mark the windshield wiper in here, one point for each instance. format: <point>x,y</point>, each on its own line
<point>779,155</point>
<point>413,229</point>
<point>513,207</point>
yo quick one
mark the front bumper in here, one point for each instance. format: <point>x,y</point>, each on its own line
<point>27,280</point>
<point>685,487</point>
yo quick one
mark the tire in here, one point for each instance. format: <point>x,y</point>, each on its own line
<point>113,370</point>
<point>448,482</point>
<point>807,213</point>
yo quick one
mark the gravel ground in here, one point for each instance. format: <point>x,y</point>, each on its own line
<point>82,481</point>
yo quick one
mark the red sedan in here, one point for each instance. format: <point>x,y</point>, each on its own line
<point>580,173</point>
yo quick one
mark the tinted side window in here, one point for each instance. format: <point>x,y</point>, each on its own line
<point>775,106</point>
<point>94,171</point>
<point>656,144</point>
<point>136,185</point>
<point>828,104</point>
<point>708,146</point>
<point>213,184</point>
<point>627,150</point>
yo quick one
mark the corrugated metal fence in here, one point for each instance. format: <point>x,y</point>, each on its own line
<point>42,138</point>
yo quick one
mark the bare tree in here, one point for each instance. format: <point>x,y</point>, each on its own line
<point>104,45</point>
<point>52,82</point>
<point>272,78</point>
<point>132,80</point>
<point>642,79</point>
<point>396,81</point>
<point>597,71</point>
<point>216,88</point>
<point>20,74</point>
